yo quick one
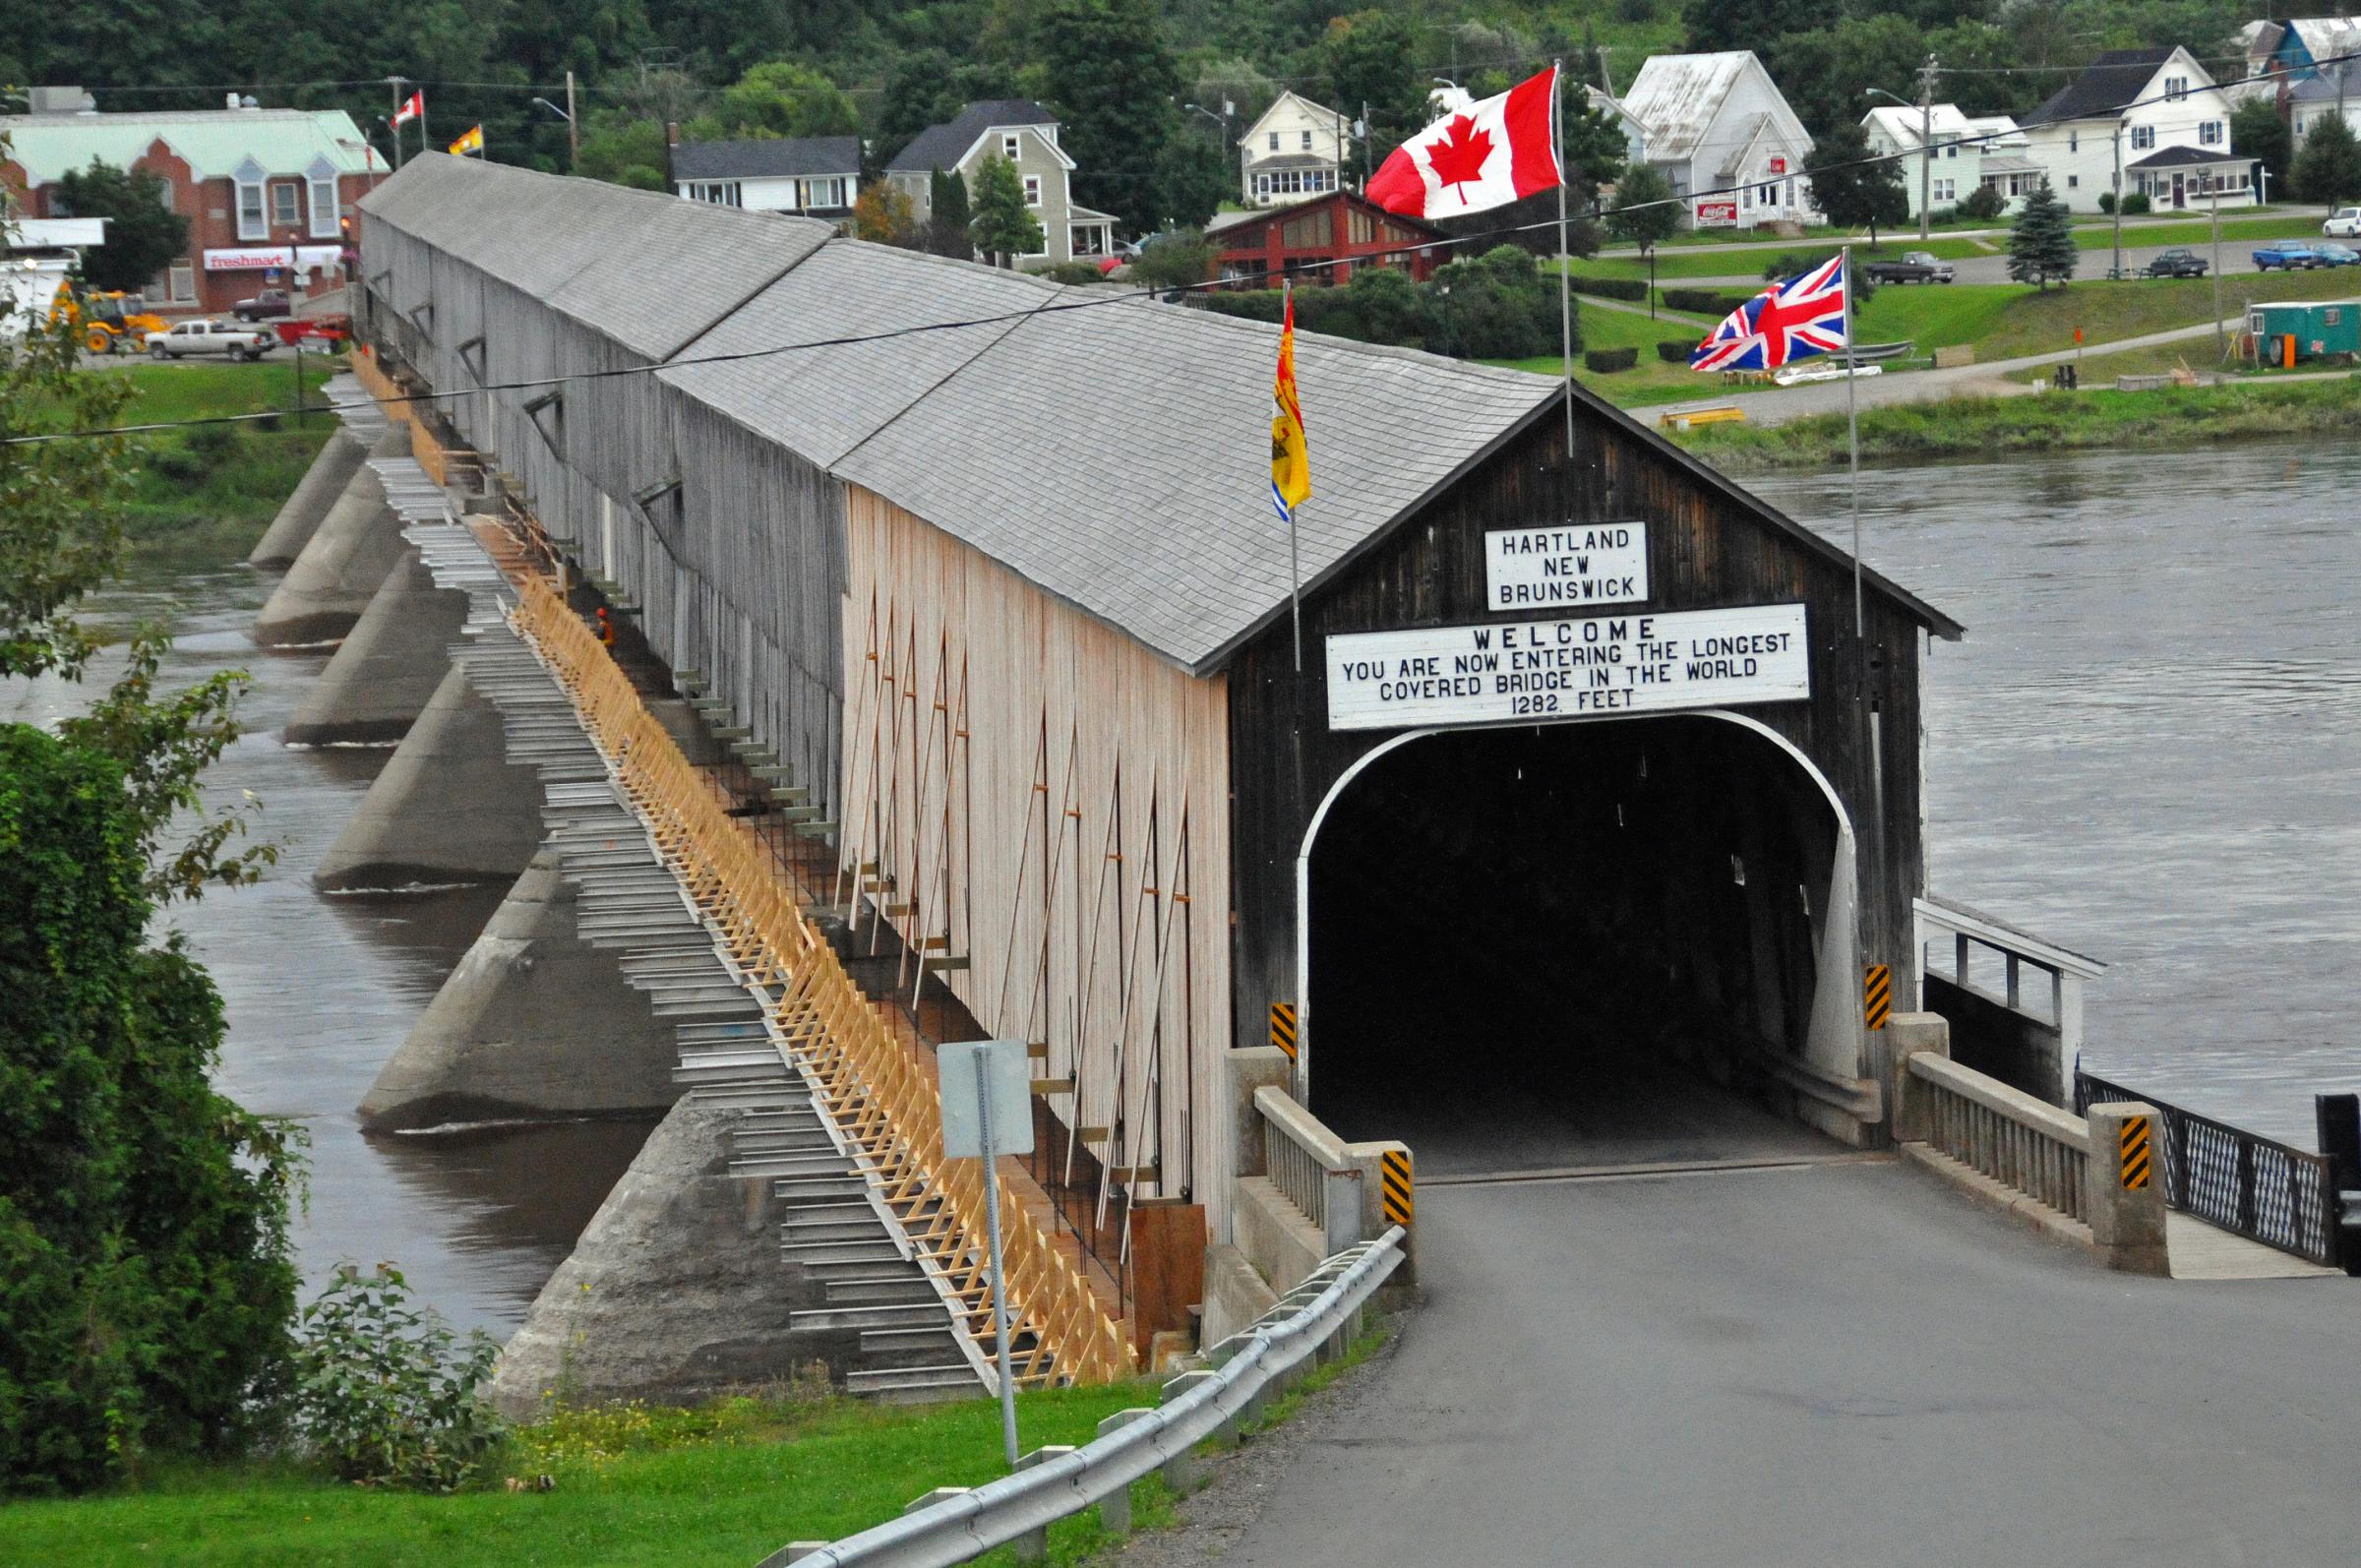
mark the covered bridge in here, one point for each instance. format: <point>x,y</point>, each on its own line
<point>1583,764</point>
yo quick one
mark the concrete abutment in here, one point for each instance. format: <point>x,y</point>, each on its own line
<point>382,677</point>
<point>300,515</point>
<point>355,548</point>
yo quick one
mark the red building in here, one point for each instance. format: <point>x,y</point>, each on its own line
<point>1256,250</point>
<point>265,190</point>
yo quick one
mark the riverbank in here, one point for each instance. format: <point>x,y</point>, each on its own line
<point>2173,417</point>
<point>203,496</point>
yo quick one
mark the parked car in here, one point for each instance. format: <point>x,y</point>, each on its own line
<point>265,305</point>
<point>1915,266</point>
<point>210,337</point>
<point>2327,253</point>
<point>2286,255</point>
<point>2176,263</point>
<point>2344,222</point>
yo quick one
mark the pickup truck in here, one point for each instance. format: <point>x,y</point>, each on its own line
<point>2286,254</point>
<point>1915,266</point>
<point>2344,224</point>
<point>269,303</point>
<point>2176,263</point>
<point>210,337</point>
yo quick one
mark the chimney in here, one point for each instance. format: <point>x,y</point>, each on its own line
<point>671,133</point>
<point>59,100</point>
<point>233,101</point>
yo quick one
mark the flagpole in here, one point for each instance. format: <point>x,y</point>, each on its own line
<point>1853,442</point>
<point>1294,559</point>
<point>1565,260</point>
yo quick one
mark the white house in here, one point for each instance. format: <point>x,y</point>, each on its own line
<point>2154,109</point>
<point>1296,149</point>
<point>818,176</point>
<point>1968,150</point>
<point>1024,134</point>
<point>1635,135</point>
<point>1719,130</point>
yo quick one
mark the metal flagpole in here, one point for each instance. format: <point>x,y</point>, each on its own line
<point>1853,442</point>
<point>1294,559</point>
<point>1565,260</point>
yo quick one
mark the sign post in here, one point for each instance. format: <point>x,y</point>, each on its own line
<point>988,1111</point>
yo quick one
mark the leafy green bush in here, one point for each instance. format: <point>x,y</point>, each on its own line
<point>385,1395</point>
<point>1605,360</point>
<point>1495,306</point>
<point>1704,301</point>
<point>2107,201</point>
<point>1675,351</point>
<point>1073,273</point>
<point>1984,203</point>
<point>2135,203</point>
<point>1611,287</point>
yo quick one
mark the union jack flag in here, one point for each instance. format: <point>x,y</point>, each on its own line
<point>1795,320</point>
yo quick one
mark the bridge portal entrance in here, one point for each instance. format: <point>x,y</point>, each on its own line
<point>1579,945</point>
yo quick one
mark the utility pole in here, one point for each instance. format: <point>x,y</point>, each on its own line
<point>1926,146</point>
<point>2117,272</point>
<point>2221,348</point>
<point>1364,144</point>
<point>393,83</point>
<point>574,134</point>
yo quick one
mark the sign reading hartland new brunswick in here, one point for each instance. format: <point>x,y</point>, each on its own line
<point>1590,666</point>
<point>1572,567</point>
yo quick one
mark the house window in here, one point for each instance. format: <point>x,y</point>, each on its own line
<point>2208,131</point>
<point>2074,181</point>
<point>252,222</point>
<point>182,278</point>
<point>1032,190</point>
<point>2143,136</point>
<point>821,193</point>
<point>716,192</point>
<point>2074,142</point>
<point>1011,146</point>
<point>1944,189</point>
<point>1087,239</point>
<point>1308,140</point>
<point>1770,195</point>
<point>1274,141</point>
<point>2176,87</point>
<point>323,206</point>
<point>284,197</point>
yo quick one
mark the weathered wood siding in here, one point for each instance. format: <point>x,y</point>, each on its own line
<point>1050,801</point>
<point>1705,549</point>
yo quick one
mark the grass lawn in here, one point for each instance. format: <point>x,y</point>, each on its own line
<point>1652,380</point>
<point>2004,320</point>
<point>204,496</point>
<point>2100,235</point>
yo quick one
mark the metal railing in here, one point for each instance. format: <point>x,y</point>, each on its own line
<point>953,1526</point>
<point>1948,933</point>
<point>2005,1134</point>
<point>1310,1167</point>
<point>2281,1197</point>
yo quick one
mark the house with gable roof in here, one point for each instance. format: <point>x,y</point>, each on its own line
<point>1968,151</point>
<point>1026,134</point>
<point>2149,121</point>
<point>265,190</point>
<point>816,176</point>
<point>1294,148</point>
<point>1719,130</point>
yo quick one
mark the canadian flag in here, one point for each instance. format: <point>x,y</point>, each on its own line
<point>1486,156</point>
<point>412,109</point>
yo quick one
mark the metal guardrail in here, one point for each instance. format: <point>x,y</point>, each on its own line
<point>2270,1193</point>
<point>2006,1134</point>
<point>963,1525</point>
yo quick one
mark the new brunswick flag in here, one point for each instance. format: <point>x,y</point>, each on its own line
<point>1290,460</point>
<point>471,142</point>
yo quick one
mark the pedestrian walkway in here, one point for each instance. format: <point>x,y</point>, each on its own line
<point>2201,1251</point>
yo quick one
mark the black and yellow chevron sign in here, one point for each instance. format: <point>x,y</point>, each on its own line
<point>2138,1166</point>
<point>1877,995</point>
<point>1393,1177</point>
<point>1283,1027</point>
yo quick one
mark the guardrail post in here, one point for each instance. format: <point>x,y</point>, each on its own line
<point>1907,1035</point>
<point>2126,1193</point>
<point>1114,1509</point>
<point>2339,1118</point>
<point>1340,1209</point>
<point>1181,1471</point>
<point>1034,1544</point>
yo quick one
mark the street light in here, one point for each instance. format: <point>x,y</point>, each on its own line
<point>1927,152</point>
<point>554,109</point>
<point>574,134</point>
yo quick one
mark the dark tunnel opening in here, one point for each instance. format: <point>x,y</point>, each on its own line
<point>1568,947</point>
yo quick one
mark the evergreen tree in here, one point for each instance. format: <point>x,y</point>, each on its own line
<point>1107,70</point>
<point>2327,169</point>
<point>1853,190</point>
<point>143,233</point>
<point>1003,227</point>
<point>2258,133</point>
<point>1645,212</point>
<point>947,227</point>
<point>2041,241</point>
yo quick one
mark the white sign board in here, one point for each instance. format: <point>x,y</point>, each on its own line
<point>1582,668</point>
<point>1566,569</point>
<point>968,1071</point>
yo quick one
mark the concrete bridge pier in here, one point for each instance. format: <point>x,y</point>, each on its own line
<point>449,808</point>
<point>300,515</point>
<point>382,677</point>
<point>351,554</point>
<point>533,1022</point>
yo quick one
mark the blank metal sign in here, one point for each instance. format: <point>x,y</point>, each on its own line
<point>1006,1076</point>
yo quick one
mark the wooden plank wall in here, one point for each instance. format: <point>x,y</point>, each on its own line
<point>999,747</point>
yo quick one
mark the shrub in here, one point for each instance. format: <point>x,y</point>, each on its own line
<point>1675,351</point>
<point>1983,202</point>
<point>2135,204</point>
<point>1704,301</point>
<point>1605,360</point>
<point>385,1395</point>
<point>1073,273</point>
<point>1611,287</point>
<point>2107,201</point>
<point>1788,263</point>
<point>1495,306</point>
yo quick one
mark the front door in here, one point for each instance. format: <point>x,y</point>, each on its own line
<point>2180,194</point>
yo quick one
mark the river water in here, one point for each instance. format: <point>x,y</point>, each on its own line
<point>2147,749</point>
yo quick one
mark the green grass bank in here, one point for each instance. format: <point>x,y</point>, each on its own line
<point>1986,427</point>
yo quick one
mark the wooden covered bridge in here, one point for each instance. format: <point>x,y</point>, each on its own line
<point>1574,767</point>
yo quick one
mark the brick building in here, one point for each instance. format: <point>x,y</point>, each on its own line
<point>264,191</point>
<point>1259,249</point>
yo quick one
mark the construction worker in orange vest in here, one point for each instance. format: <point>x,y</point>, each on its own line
<point>606,627</point>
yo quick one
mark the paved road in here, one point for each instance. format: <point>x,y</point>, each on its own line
<point>1817,1366</point>
<point>2237,260</point>
<point>1998,235</point>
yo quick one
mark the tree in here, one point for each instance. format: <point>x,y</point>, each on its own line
<point>2041,241</point>
<point>2258,133</point>
<point>1371,57</point>
<point>779,97</point>
<point>884,213</point>
<point>1181,257</point>
<point>1853,190</point>
<point>1003,227</point>
<point>623,150</point>
<point>948,225</point>
<point>2327,169</point>
<point>1716,25</point>
<point>1646,213</point>
<point>144,235</point>
<point>1827,72</point>
<point>1596,146</point>
<point>1106,68</point>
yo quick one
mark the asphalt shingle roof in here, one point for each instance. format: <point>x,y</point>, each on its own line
<point>940,147</point>
<point>780,157</point>
<point>2108,83</point>
<point>2182,157</point>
